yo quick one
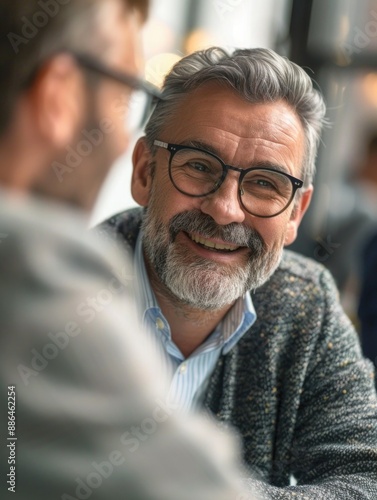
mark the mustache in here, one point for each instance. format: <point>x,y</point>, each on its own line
<point>194,221</point>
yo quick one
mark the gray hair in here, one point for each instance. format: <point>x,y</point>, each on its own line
<point>257,75</point>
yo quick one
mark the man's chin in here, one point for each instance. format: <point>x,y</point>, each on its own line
<point>208,289</point>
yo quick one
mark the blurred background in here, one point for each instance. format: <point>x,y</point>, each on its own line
<point>336,42</point>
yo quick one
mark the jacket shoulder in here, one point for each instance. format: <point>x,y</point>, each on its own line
<point>122,228</point>
<point>297,281</point>
<point>295,265</point>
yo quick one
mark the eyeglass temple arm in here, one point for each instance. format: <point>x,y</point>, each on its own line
<point>161,144</point>
<point>131,81</point>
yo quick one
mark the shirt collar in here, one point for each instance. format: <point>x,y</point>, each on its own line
<point>229,331</point>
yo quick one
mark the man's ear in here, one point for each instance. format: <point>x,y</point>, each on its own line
<point>297,215</point>
<point>141,182</point>
<point>58,100</point>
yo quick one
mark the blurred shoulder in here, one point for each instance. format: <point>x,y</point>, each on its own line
<point>50,246</point>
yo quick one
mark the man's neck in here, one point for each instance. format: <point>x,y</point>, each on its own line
<point>189,327</point>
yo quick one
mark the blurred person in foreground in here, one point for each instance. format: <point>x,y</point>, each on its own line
<point>250,331</point>
<point>86,413</point>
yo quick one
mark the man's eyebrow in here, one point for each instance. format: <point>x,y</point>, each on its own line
<point>265,163</point>
<point>202,145</point>
<point>270,164</point>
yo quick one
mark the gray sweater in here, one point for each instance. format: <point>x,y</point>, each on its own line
<point>296,386</point>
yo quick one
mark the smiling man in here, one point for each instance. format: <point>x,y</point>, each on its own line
<point>250,331</point>
<point>211,233</point>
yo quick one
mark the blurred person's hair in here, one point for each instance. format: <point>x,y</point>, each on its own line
<point>258,76</point>
<point>32,31</point>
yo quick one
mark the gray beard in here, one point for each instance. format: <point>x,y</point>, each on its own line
<point>198,282</point>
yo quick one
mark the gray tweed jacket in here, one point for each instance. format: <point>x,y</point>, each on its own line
<point>296,386</point>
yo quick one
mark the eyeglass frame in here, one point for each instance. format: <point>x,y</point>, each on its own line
<point>89,62</point>
<point>92,64</point>
<point>131,81</point>
<point>174,148</point>
<point>153,93</point>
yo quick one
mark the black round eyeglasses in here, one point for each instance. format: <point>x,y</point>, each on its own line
<point>262,191</point>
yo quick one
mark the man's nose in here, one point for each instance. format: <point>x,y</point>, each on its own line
<point>223,205</point>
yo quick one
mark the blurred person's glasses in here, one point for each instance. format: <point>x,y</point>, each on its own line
<point>144,95</point>
<point>262,191</point>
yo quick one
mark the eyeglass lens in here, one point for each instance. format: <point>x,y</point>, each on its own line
<point>263,192</point>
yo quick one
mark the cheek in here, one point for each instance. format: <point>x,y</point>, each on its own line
<point>111,124</point>
<point>167,201</point>
<point>272,230</point>
<point>117,138</point>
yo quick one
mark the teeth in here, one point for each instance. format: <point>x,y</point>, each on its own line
<point>211,244</point>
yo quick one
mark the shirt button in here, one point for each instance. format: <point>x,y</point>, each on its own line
<point>183,368</point>
<point>159,324</point>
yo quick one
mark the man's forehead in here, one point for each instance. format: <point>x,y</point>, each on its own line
<point>212,102</point>
<point>215,110</point>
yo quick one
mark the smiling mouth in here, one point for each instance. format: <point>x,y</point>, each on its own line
<point>211,245</point>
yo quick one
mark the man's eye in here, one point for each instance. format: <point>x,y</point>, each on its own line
<point>252,184</point>
<point>264,183</point>
<point>199,167</point>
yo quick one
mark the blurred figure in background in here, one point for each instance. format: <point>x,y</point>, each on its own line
<point>368,301</point>
<point>351,221</point>
<point>366,176</point>
<point>367,183</point>
<point>87,415</point>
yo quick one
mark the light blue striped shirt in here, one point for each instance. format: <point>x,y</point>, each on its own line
<point>189,376</point>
